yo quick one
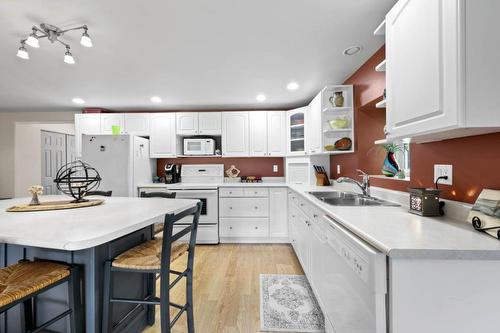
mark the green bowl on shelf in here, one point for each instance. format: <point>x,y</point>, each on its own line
<point>339,123</point>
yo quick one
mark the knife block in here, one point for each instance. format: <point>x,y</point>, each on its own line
<point>322,179</point>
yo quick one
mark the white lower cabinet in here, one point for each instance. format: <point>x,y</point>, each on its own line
<point>252,215</point>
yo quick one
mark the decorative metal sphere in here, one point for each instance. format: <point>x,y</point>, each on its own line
<point>76,179</point>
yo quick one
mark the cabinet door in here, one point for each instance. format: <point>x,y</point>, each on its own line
<point>137,123</point>
<point>276,135</point>
<point>235,133</point>
<point>313,126</point>
<point>86,123</point>
<point>278,224</point>
<point>112,119</point>
<point>187,123</point>
<point>258,133</point>
<point>295,137</point>
<point>162,138</point>
<point>422,67</point>
<point>209,123</point>
<point>303,240</point>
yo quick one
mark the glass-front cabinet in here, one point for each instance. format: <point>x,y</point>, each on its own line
<point>296,136</point>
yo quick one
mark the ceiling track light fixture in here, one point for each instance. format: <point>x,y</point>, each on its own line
<point>52,33</point>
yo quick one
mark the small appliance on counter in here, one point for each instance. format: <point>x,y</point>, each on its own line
<point>251,179</point>
<point>425,201</point>
<point>199,146</point>
<point>172,173</point>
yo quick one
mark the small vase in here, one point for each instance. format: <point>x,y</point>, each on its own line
<point>339,99</point>
<point>390,167</point>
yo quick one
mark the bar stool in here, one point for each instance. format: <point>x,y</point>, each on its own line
<point>154,257</point>
<point>158,227</point>
<point>21,282</point>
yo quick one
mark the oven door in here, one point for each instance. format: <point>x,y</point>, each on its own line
<point>210,209</point>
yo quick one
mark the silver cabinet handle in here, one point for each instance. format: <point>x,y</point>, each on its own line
<point>230,207</point>
<point>200,132</point>
<point>256,228</point>
<point>255,192</point>
<point>256,207</point>
<point>231,228</point>
<point>315,215</point>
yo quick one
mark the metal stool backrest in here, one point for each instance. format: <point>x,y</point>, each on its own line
<point>101,193</point>
<point>166,195</point>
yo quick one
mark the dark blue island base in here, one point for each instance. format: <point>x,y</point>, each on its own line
<point>55,301</point>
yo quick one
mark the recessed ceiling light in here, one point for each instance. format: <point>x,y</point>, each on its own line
<point>260,97</point>
<point>78,100</point>
<point>292,86</point>
<point>352,50</point>
<point>156,99</point>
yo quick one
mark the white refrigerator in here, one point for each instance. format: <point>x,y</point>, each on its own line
<point>122,161</point>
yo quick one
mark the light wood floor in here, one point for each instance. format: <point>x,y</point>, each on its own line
<point>226,285</point>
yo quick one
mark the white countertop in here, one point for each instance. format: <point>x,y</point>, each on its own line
<point>211,185</point>
<point>76,229</point>
<point>400,234</point>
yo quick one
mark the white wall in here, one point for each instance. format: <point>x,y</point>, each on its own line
<point>7,142</point>
<point>27,153</point>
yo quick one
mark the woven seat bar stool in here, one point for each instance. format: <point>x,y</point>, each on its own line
<point>22,282</point>
<point>158,227</point>
<point>154,257</point>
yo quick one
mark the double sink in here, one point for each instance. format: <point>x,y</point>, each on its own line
<point>335,198</point>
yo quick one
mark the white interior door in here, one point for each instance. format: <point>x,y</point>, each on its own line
<point>53,158</point>
<point>70,148</point>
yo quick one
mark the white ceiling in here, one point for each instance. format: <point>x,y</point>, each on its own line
<point>201,54</point>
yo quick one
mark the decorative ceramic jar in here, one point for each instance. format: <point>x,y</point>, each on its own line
<point>338,99</point>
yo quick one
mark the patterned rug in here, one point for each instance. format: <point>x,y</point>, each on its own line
<point>287,304</point>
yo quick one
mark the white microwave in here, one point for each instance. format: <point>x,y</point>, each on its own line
<point>199,147</point>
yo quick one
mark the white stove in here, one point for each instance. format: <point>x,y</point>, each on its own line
<point>199,181</point>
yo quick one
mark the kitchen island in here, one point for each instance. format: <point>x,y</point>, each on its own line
<point>87,236</point>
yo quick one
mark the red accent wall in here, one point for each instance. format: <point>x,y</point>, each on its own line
<point>249,166</point>
<point>475,159</point>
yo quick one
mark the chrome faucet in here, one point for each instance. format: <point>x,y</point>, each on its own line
<point>364,185</point>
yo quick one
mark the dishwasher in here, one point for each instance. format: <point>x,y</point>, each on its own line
<point>352,282</point>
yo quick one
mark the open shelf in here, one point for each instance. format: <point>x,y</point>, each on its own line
<point>296,125</point>
<point>337,130</point>
<point>298,139</point>
<point>380,67</point>
<point>381,105</point>
<point>338,109</point>
<point>380,142</point>
<point>380,30</point>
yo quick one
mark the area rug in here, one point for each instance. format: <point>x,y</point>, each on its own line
<point>287,304</point>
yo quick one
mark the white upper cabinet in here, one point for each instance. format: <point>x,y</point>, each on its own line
<point>313,126</point>
<point>162,135</point>
<point>136,123</point>
<point>235,139</point>
<point>295,131</point>
<point>85,123</point>
<point>440,72</point>
<point>276,133</point>
<point>112,119</point>
<point>210,123</point>
<point>258,133</point>
<point>187,123</point>
<point>199,123</point>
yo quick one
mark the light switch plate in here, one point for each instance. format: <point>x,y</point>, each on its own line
<point>443,170</point>
<point>275,168</point>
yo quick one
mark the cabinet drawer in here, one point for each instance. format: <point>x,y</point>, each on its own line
<point>231,192</point>
<point>244,207</point>
<point>304,206</point>
<point>256,192</point>
<point>294,198</point>
<point>244,227</point>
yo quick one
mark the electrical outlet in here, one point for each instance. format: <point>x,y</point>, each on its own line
<point>275,168</point>
<point>443,170</point>
<point>338,169</point>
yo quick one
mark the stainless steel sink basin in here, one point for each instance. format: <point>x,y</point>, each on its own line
<point>335,198</point>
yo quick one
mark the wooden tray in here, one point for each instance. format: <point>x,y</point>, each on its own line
<point>54,205</point>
